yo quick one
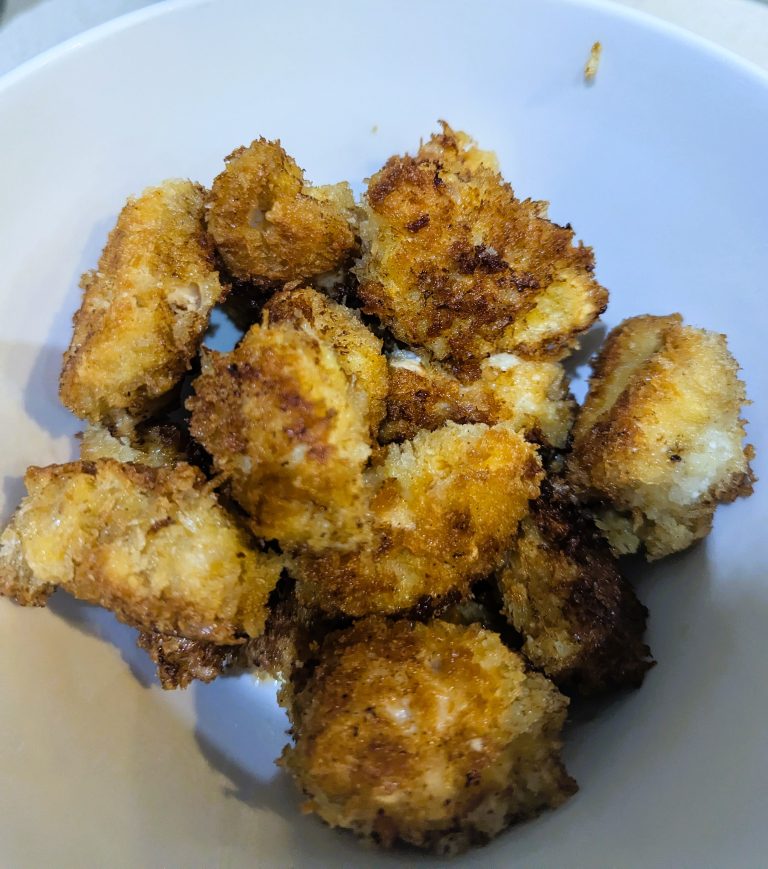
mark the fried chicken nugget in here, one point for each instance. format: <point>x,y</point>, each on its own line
<point>423,394</point>
<point>270,225</point>
<point>290,431</point>
<point>443,510</point>
<point>453,262</point>
<point>357,348</point>
<point>433,735</point>
<point>659,437</point>
<point>151,544</point>
<point>145,309</point>
<point>581,621</point>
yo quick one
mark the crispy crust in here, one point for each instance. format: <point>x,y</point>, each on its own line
<point>358,350</point>
<point>290,431</point>
<point>433,735</point>
<point>423,394</point>
<point>442,511</point>
<point>152,545</point>
<point>582,624</point>
<point>145,308</point>
<point>270,225</point>
<point>660,435</point>
<point>155,445</point>
<point>180,661</point>
<point>453,262</point>
<point>290,641</point>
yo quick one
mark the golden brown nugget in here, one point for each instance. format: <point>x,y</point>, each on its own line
<point>532,396</point>
<point>660,438</point>
<point>358,350</point>
<point>581,621</point>
<point>443,510</point>
<point>434,735</point>
<point>151,544</point>
<point>453,262</point>
<point>270,225</point>
<point>290,431</point>
<point>145,309</point>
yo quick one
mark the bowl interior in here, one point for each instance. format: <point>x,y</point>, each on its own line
<point>659,165</point>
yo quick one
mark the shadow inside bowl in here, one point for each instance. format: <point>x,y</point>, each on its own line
<point>13,492</point>
<point>97,622</point>
<point>41,395</point>
<point>241,732</point>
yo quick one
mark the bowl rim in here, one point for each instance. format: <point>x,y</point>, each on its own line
<point>137,17</point>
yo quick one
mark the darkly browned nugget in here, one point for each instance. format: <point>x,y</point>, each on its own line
<point>180,661</point>
<point>580,619</point>
<point>145,309</point>
<point>288,641</point>
<point>435,735</point>
<point>453,262</point>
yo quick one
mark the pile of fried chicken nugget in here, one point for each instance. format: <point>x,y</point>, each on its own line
<point>385,496</point>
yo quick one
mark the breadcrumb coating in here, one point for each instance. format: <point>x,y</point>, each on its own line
<point>180,661</point>
<point>290,431</point>
<point>358,350</point>
<point>453,262</point>
<point>532,396</point>
<point>660,437</point>
<point>155,446</point>
<point>145,308</point>
<point>289,641</point>
<point>151,544</point>
<point>433,735</point>
<point>443,509</point>
<point>580,619</point>
<point>270,225</point>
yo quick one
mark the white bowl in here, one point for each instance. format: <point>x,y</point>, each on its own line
<point>660,165</point>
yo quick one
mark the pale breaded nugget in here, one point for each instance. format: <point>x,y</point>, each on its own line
<point>580,619</point>
<point>151,544</point>
<point>155,446</point>
<point>290,431</point>
<point>357,348</point>
<point>423,394</point>
<point>434,735</point>
<point>443,509</point>
<point>453,262</point>
<point>659,437</point>
<point>145,309</point>
<point>270,225</point>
